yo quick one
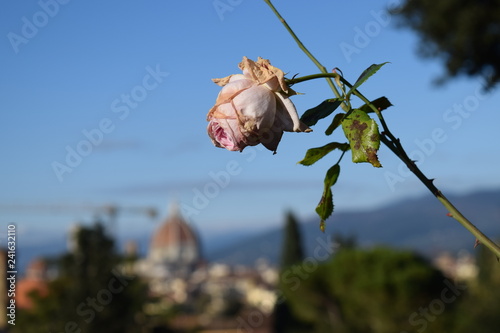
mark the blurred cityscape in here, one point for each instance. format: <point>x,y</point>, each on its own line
<point>75,73</point>
<point>174,288</point>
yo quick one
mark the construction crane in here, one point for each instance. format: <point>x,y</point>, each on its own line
<point>111,211</point>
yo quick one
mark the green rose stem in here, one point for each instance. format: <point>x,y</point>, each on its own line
<point>395,146</point>
<point>304,49</point>
<point>387,138</point>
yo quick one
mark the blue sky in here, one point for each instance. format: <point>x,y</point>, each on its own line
<point>128,85</point>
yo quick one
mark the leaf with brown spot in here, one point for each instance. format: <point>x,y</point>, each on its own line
<point>364,138</point>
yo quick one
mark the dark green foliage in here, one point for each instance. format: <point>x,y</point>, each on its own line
<point>336,121</point>
<point>285,322</point>
<point>315,154</point>
<point>292,252</point>
<point>343,242</point>
<point>479,309</point>
<point>365,76</point>
<point>325,206</point>
<point>323,110</point>
<point>90,293</point>
<point>382,287</point>
<point>292,255</point>
<point>365,291</point>
<point>380,103</point>
<point>465,34</point>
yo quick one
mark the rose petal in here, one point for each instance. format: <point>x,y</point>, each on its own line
<point>223,135</point>
<point>232,89</point>
<point>253,108</point>
<point>256,108</point>
<point>285,104</point>
<point>271,138</point>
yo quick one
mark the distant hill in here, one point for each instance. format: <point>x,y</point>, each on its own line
<point>418,224</point>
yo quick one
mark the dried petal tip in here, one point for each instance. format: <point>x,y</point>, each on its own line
<point>252,108</point>
<point>222,81</point>
<point>264,73</point>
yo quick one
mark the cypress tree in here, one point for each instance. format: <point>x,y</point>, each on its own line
<point>292,252</point>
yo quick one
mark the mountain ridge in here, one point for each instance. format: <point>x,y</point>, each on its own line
<point>417,224</point>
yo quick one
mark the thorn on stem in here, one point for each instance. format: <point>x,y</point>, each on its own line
<point>449,215</point>
<point>476,243</point>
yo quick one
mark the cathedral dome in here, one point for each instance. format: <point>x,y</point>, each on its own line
<point>175,242</point>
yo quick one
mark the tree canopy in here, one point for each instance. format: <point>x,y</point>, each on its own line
<point>465,34</point>
<point>292,252</point>
<point>378,290</point>
<point>90,293</point>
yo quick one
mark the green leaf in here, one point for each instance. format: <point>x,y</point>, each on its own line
<point>315,154</point>
<point>325,205</point>
<point>380,103</point>
<point>311,116</point>
<point>364,138</point>
<point>365,75</point>
<point>337,120</point>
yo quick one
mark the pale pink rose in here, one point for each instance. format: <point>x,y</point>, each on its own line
<point>252,108</point>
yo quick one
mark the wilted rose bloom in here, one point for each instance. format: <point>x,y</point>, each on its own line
<point>252,108</point>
